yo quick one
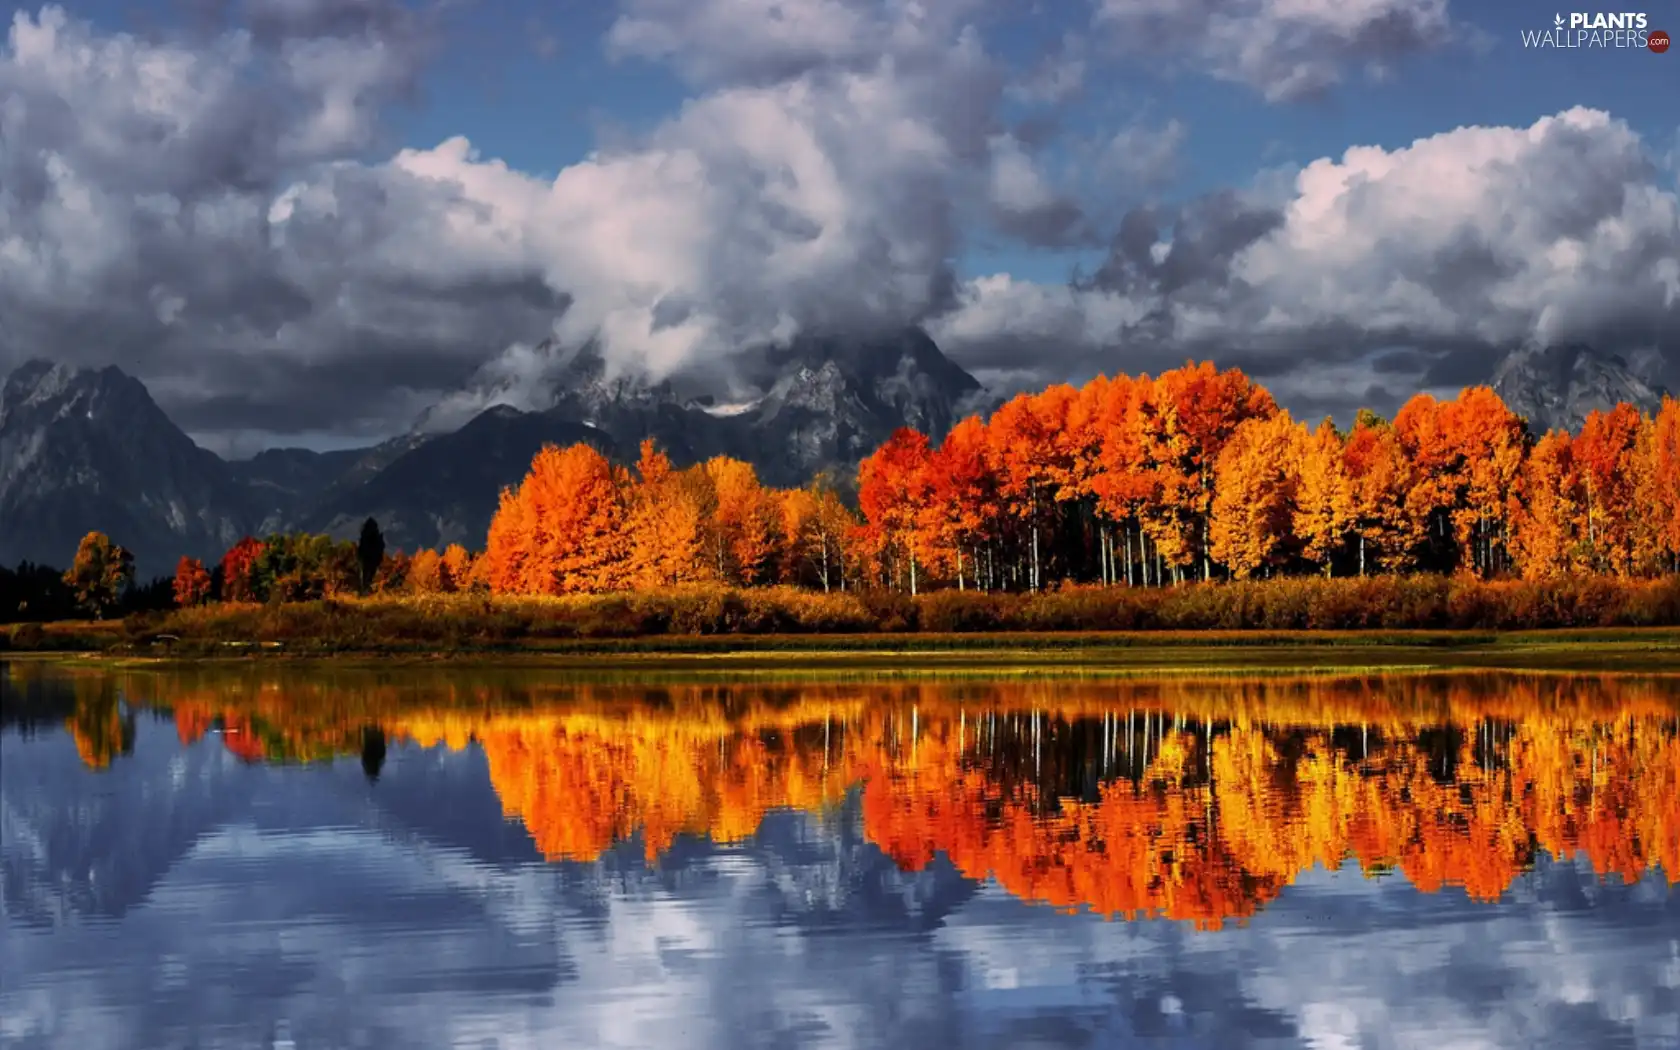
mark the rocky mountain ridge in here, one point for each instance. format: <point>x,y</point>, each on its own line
<point>85,449</point>
<point>1557,387</point>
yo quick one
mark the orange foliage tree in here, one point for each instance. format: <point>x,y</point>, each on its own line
<point>561,530</point>
<point>1255,485</point>
<point>239,571</point>
<point>192,582</point>
<point>1192,475</point>
<point>893,487</point>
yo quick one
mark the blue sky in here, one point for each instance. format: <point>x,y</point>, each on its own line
<point>769,166</point>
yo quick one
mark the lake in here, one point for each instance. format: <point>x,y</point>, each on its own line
<point>267,855</point>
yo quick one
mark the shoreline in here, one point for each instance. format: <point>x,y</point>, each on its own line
<point>997,654</point>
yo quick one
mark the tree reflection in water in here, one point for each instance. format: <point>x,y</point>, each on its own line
<point>1188,799</point>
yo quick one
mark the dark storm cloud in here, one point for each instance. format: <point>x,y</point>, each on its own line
<point>1200,247</point>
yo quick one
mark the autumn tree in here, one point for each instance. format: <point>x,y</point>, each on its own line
<point>508,546</point>
<point>100,573</point>
<point>239,575</point>
<point>561,531</point>
<point>1255,483</point>
<point>1124,483</point>
<point>427,574</point>
<point>742,529</point>
<point>457,562</point>
<point>893,489</point>
<point>192,582</point>
<point>1604,455</point>
<point>1189,415</point>
<point>1466,455</point>
<point>1325,510</point>
<point>1379,479</point>
<point>1020,447</point>
<point>815,524</point>
<point>1547,505</point>
<point>1657,488</point>
<point>392,574</point>
<point>961,503</point>
<point>666,512</point>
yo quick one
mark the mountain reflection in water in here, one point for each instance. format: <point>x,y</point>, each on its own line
<point>1185,799</point>
<point>260,855</point>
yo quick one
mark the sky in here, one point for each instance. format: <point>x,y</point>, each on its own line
<point>304,221</point>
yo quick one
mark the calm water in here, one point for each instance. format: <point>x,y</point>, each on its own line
<point>272,858</point>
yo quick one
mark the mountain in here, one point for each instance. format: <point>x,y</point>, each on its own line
<point>1557,387</point>
<point>820,402</point>
<point>85,449</point>
<point>278,481</point>
<point>445,489</point>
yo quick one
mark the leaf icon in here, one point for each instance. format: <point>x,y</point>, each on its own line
<point>1557,20</point>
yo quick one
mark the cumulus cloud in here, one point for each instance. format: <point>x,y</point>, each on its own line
<point>144,209</point>
<point>221,213</point>
<point>1286,49</point>
<point>1466,243</point>
<point>212,209</point>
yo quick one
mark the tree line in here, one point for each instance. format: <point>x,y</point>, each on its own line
<point>1195,474</point>
<point>1079,795</point>
<point>1192,475</point>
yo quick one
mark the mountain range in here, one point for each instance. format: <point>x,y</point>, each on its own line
<point>1557,387</point>
<point>84,449</point>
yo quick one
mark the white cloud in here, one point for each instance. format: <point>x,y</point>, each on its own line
<point>211,209</point>
<point>1476,238</point>
<point>1286,49</point>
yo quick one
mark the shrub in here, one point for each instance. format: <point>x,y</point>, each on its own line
<point>952,611</point>
<point>889,611</point>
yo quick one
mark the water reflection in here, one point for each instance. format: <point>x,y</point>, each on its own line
<point>502,839</point>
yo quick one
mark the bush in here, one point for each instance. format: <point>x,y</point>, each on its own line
<point>889,611</point>
<point>476,621</point>
<point>953,611</point>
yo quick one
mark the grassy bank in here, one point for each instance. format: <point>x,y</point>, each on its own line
<point>1377,623</point>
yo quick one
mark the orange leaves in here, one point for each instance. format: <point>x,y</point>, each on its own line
<point>742,527</point>
<point>1601,501</point>
<point>192,582</point>
<point>1467,454</point>
<point>666,520</point>
<point>428,574</point>
<point>1325,509</point>
<point>560,531</point>
<point>893,490</point>
<point>1191,475</point>
<point>1380,479</point>
<point>815,524</point>
<point>239,566</point>
<point>1548,506</point>
<point>100,573</point>
<point>576,524</point>
<point>1604,457</point>
<point>1255,484</point>
<point>1658,487</point>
